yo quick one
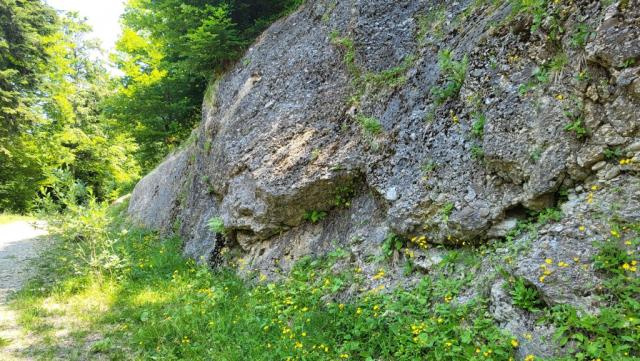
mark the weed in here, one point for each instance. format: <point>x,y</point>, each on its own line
<point>454,73</point>
<point>477,152</point>
<point>216,225</point>
<point>428,167</point>
<point>343,195</point>
<point>477,128</point>
<point>525,296</point>
<point>315,216</point>
<point>580,36</point>
<point>370,125</point>
<point>392,243</point>
<point>446,211</point>
<point>612,153</point>
<point>577,126</point>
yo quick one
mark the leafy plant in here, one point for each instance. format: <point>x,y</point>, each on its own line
<point>612,153</point>
<point>454,73</point>
<point>343,196</point>
<point>428,167</point>
<point>580,36</point>
<point>216,225</point>
<point>370,125</point>
<point>477,128</point>
<point>446,211</point>
<point>577,127</point>
<point>392,243</point>
<point>525,296</point>
<point>315,216</point>
<point>477,152</point>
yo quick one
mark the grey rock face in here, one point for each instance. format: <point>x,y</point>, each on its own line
<point>281,139</point>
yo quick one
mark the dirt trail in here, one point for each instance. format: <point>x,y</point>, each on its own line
<point>19,242</point>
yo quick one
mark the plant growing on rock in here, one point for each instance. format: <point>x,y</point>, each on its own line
<point>525,296</point>
<point>216,225</point>
<point>370,125</point>
<point>454,73</point>
<point>315,216</point>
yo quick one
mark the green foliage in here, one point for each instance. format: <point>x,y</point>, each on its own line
<point>454,73</point>
<point>161,306</point>
<point>428,167</point>
<point>343,196</point>
<point>392,243</point>
<point>524,296</point>
<point>167,63</point>
<point>315,216</point>
<point>612,333</point>
<point>370,125</point>
<point>537,9</point>
<point>580,36</point>
<point>477,152</point>
<point>446,210</point>
<point>66,130</point>
<point>577,127</point>
<point>477,128</point>
<point>613,153</point>
<point>216,225</point>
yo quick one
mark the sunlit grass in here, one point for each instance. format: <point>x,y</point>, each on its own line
<point>6,218</point>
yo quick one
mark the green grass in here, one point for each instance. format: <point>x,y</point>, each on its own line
<point>149,303</point>
<point>6,218</point>
<point>158,305</point>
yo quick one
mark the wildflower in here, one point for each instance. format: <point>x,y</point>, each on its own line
<point>560,97</point>
<point>447,298</point>
<point>358,311</point>
<point>514,343</point>
<point>594,188</point>
<point>344,355</point>
<point>298,344</point>
<point>548,261</point>
<point>581,228</point>
<point>562,264</point>
<point>615,233</point>
<point>448,344</point>
<point>626,266</point>
<point>541,279</point>
<point>529,358</point>
<point>341,306</point>
<point>379,275</point>
<point>304,334</point>
<point>376,308</point>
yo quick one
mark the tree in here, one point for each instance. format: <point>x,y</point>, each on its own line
<point>169,51</point>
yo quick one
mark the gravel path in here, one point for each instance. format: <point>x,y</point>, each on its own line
<point>19,243</point>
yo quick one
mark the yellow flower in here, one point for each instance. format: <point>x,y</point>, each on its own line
<point>548,261</point>
<point>625,266</point>
<point>581,228</point>
<point>562,264</point>
<point>541,279</point>
<point>358,311</point>
<point>529,358</point>
<point>341,306</point>
<point>514,343</point>
<point>344,355</point>
<point>379,275</point>
<point>560,97</point>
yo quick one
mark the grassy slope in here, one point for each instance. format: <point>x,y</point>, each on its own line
<point>142,301</point>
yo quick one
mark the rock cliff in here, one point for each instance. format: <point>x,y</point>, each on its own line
<point>442,123</point>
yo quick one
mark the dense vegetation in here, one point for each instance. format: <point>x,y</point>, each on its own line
<point>110,290</point>
<point>65,114</point>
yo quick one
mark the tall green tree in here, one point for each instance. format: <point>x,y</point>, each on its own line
<point>57,130</point>
<point>169,51</point>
